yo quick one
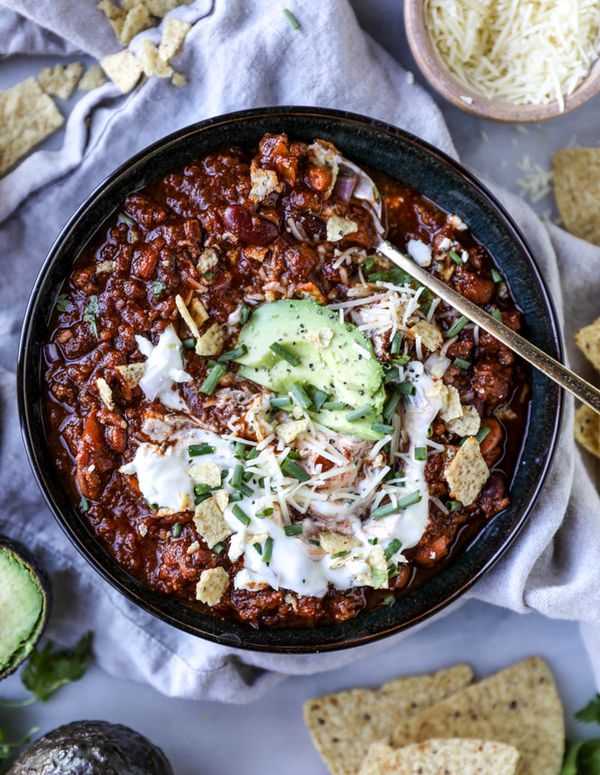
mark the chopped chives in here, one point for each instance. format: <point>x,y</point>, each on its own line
<point>239,450</point>
<point>158,288</point>
<point>62,302</point>
<point>84,504</point>
<point>409,500</point>
<point>381,427</point>
<point>294,470</point>
<point>280,402</point>
<point>176,530</point>
<point>457,327</point>
<point>218,548</point>
<point>406,388</point>
<point>212,380</point>
<point>254,453</point>
<point>284,353</point>
<point>292,530</point>
<point>244,314</point>
<point>483,433</point>
<point>496,276</point>
<point>188,344</point>
<point>390,508</point>
<point>209,276</point>
<point>396,343</point>
<point>358,413</point>
<point>420,453</point>
<point>453,505</point>
<point>389,600</point>
<point>265,512</point>
<point>497,314</point>
<point>235,496</point>
<point>300,395</point>
<point>338,555</point>
<point>234,354</point>
<point>126,219</point>
<point>201,489</point>
<point>268,550</point>
<point>462,363</point>
<point>258,547</point>
<point>394,545</point>
<point>384,511</point>
<point>333,405</point>
<point>455,257</point>
<point>195,450</point>
<point>237,476</point>
<point>373,541</point>
<point>368,264</point>
<point>240,514</point>
<point>402,360</point>
<point>200,498</point>
<point>318,398</point>
<point>393,570</point>
<point>391,404</point>
<point>245,490</point>
<point>293,454</point>
<point>248,475</point>
<point>293,21</point>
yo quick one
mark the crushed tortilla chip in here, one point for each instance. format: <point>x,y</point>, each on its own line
<point>209,522</point>
<point>212,585</point>
<point>132,373</point>
<point>173,35</point>
<point>587,429</point>
<point>105,393</point>
<point>211,341</point>
<point>198,311</point>
<point>161,7</point>
<point>264,182</point>
<point>332,543</point>
<point>209,258</point>
<point>114,14</point>
<point>92,79</point>
<point>187,317</point>
<point>123,69</point>
<point>466,425</point>
<point>179,79</point>
<point>206,472</point>
<point>338,228</point>
<point>442,757</point>
<point>588,341</point>
<point>152,64</point>
<point>451,405</point>
<point>344,725</point>
<point>60,80</point>
<point>429,334</point>
<point>577,191</point>
<point>288,431</point>
<point>519,706</point>
<point>137,20</point>
<point>467,472</point>
<point>27,116</point>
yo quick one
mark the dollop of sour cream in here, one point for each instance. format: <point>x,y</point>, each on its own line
<point>164,367</point>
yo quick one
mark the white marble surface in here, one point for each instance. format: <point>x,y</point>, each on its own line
<point>210,738</point>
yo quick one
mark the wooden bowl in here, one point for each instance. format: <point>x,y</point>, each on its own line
<point>440,79</point>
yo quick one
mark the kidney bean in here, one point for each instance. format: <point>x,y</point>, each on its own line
<point>252,230</point>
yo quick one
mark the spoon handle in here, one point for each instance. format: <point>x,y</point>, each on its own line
<point>564,377</point>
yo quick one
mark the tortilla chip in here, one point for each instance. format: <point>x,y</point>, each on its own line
<point>206,472</point>
<point>519,706</point>
<point>114,14</point>
<point>27,116</point>
<point>161,7</point>
<point>588,341</point>
<point>467,472</point>
<point>339,227</point>
<point>264,183</point>
<point>587,429</point>
<point>577,191</point>
<point>173,35</point>
<point>179,79</point>
<point>429,334</point>
<point>123,69</point>
<point>344,725</point>
<point>61,80</point>
<point>209,522</point>
<point>468,424</point>
<point>132,373</point>
<point>212,585</point>
<point>452,407</point>
<point>211,341</point>
<point>92,78</point>
<point>442,757</point>
<point>105,393</point>
<point>137,20</point>
<point>152,64</point>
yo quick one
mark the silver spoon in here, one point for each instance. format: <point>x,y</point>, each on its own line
<point>551,368</point>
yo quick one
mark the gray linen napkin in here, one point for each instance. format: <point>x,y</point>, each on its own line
<point>240,54</point>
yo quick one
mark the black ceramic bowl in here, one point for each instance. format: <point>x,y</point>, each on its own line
<point>410,160</point>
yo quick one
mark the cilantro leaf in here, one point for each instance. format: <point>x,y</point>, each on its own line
<point>591,713</point>
<point>49,669</point>
<point>63,303</point>
<point>90,312</point>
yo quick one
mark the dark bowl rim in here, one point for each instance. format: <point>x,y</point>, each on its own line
<point>265,640</point>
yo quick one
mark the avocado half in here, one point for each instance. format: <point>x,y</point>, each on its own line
<point>24,602</point>
<point>92,748</point>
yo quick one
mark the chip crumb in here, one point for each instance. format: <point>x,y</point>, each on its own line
<point>451,404</point>
<point>105,393</point>
<point>587,429</point>
<point>60,80</point>
<point>206,472</point>
<point>114,14</point>
<point>588,341</point>
<point>466,425</point>
<point>123,69</point>
<point>152,64</point>
<point>209,258</point>
<point>288,431</point>
<point>332,543</point>
<point>92,79</point>
<point>27,116</point>
<point>132,373</point>
<point>179,79</point>
<point>137,20</point>
<point>187,317</point>
<point>264,183</point>
<point>211,341</point>
<point>467,472</point>
<point>429,334</point>
<point>173,35</point>
<point>160,8</point>
<point>212,585</point>
<point>338,228</point>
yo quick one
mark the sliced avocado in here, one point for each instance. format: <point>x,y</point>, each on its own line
<point>92,748</point>
<point>332,356</point>
<point>24,603</point>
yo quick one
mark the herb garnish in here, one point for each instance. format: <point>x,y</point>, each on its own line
<point>158,288</point>
<point>90,312</point>
<point>63,303</point>
<point>293,21</point>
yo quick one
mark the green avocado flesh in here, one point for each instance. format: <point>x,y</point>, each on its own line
<point>22,605</point>
<point>332,358</point>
